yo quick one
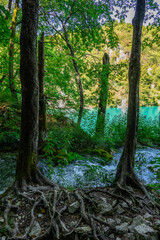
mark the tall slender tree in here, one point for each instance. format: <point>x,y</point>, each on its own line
<point>11,51</point>
<point>100,125</point>
<point>42,102</point>
<point>78,77</point>
<point>125,171</point>
<point>26,168</point>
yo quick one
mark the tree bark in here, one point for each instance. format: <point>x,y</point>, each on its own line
<point>125,171</point>
<point>11,51</point>
<point>9,5</point>
<point>78,78</point>
<point>100,125</point>
<point>42,101</point>
<point>27,160</point>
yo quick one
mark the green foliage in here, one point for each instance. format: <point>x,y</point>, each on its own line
<point>5,17</point>
<point>10,127</point>
<point>149,131</point>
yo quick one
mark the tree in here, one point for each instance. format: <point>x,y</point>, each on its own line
<point>26,168</point>
<point>42,102</point>
<point>78,24</point>
<point>11,51</point>
<point>125,171</point>
<point>100,125</point>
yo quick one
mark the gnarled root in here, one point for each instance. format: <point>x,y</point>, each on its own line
<point>49,208</point>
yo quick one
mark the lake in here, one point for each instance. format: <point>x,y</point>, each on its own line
<point>90,116</point>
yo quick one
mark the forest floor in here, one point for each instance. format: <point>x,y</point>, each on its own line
<point>44,213</point>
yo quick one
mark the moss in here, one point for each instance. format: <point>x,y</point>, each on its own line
<point>99,153</point>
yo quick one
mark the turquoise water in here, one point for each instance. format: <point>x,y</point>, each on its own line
<point>90,116</point>
<point>153,112</point>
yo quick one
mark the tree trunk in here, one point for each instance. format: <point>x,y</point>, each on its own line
<point>125,171</point>
<point>27,160</point>
<point>100,125</point>
<point>9,5</point>
<point>78,78</point>
<point>42,102</point>
<point>11,51</point>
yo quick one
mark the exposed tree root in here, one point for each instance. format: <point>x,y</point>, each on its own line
<point>52,205</point>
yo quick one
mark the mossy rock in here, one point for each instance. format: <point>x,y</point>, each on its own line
<point>99,153</point>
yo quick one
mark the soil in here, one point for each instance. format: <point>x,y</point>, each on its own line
<point>80,214</point>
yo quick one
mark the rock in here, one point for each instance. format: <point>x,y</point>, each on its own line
<point>110,222</point>
<point>148,216</point>
<point>120,210</point>
<point>118,220</point>
<point>18,204</point>
<point>106,229</point>
<point>106,208</point>
<point>125,205</point>
<point>35,230</point>
<point>129,202</point>
<point>1,220</point>
<point>114,203</point>
<point>138,220</point>
<point>128,236</point>
<point>157,222</point>
<point>125,218</point>
<point>144,232</point>
<point>123,228</point>
<point>111,236</point>
<point>84,229</point>
<point>73,223</point>
<point>73,207</point>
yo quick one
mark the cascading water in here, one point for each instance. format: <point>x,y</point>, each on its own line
<point>87,172</point>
